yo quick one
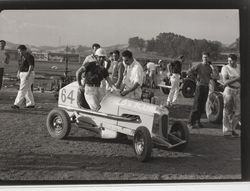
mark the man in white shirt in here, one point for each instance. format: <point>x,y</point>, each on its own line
<point>4,59</point>
<point>231,111</point>
<point>133,77</point>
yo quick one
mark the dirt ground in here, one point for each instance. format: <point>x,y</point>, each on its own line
<point>28,152</point>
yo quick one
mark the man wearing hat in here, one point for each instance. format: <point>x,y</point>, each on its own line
<point>94,72</point>
<point>4,59</point>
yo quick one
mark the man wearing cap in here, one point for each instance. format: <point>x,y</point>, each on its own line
<point>90,58</point>
<point>175,74</point>
<point>4,59</point>
<point>27,75</point>
<point>133,77</point>
<point>94,72</point>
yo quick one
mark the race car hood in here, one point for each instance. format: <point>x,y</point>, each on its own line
<point>111,104</point>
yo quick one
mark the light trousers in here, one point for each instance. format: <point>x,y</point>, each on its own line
<point>231,110</point>
<point>175,87</point>
<point>25,90</point>
<point>93,96</point>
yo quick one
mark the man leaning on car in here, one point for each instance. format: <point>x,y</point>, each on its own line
<point>133,77</point>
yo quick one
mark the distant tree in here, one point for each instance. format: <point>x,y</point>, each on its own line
<point>73,50</point>
<point>237,44</point>
<point>150,45</point>
<point>67,49</point>
<point>173,45</point>
<point>81,49</point>
<point>136,42</point>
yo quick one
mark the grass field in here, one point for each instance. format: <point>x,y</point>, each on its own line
<point>43,68</point>
<point>45,73</point>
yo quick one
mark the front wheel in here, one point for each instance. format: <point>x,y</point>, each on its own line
<point>58,123</point>
<point>142,144</point>
<point>179,130</point>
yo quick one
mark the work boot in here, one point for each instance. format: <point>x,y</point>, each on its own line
<point>234,134</point>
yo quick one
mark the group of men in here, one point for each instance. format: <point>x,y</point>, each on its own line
<point>231,95</point>
<point>205,72</point>
<point>124,74</point>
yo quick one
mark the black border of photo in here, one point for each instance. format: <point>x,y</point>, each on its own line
<point>242,5</point>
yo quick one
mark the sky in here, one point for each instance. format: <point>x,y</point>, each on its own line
<point>111,27</point>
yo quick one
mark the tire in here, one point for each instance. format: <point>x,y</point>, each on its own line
<point>142,144</point>
<point>180,130</point>
<point>58,123</point>
<point>166,90</point>
<point>214,107</point>
<point>188,88</point>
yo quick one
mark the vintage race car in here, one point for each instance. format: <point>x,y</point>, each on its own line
<point>146,123</point>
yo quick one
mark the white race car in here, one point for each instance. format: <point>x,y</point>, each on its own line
<point>147,123</point>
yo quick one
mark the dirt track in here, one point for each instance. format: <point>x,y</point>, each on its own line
<point>27,151</point>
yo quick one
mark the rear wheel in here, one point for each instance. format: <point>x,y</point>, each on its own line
<point>179,130</point>
<point>58,123</point>
<point>142,144</point>
<point>214,107</point>
<point>188,88</point>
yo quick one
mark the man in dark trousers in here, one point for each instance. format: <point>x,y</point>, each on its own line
<point>204,72</point>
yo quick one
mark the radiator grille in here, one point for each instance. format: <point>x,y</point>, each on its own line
<point>164,125</point>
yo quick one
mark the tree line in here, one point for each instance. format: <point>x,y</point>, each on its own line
<point>172,45</point>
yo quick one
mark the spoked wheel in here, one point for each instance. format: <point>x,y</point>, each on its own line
<point>58,123</point>
<point>178,132</point>
<point>188,88</point>
<point>214,107</point>
<point>142,144</point>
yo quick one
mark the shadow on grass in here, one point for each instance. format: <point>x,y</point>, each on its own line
<point>95,139</point>
<point>24,111</point>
